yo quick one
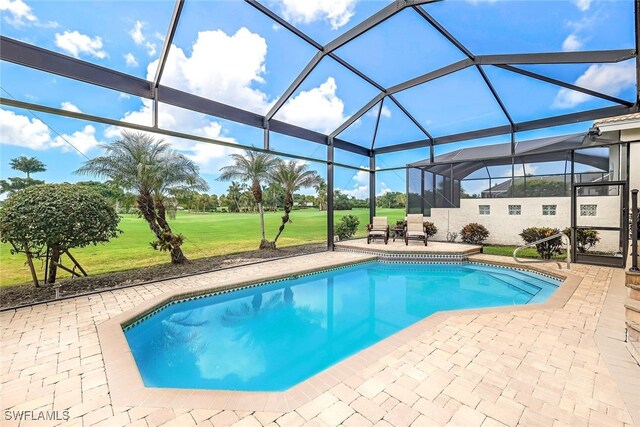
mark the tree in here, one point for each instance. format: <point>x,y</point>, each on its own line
<point>56,218</point>
<point>341,201</point>
<point>255,168</point>
<point>214,202</point>
<point>233,197</point>
<point>273,196</point>
<point>292,176</point>
<point>28,165</point>
<point>108,190</point>
<point>321,190</point>
<point>140,163</point>
<point>16,184</point>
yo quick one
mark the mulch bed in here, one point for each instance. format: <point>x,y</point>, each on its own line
<point>25,294</point>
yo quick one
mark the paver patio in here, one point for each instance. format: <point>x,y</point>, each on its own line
<point>529,367</point>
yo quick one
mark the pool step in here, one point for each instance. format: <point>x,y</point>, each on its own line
<point>633,339</point>
<point>632,310</point>
<point>516,282</point>
<point>527,278</point>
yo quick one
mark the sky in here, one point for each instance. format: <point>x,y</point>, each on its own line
<point>230,52</point>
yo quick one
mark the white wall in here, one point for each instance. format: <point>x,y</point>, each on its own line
<point>504,228</point>
<point>634,162</point>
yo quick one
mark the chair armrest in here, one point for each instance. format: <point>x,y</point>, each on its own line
<point>369,227</point>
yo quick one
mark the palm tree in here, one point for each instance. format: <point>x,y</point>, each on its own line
<point>292,176</point>
<point>253,167</point>
<point>148,167</point>
<point>27,165</point>
<point>321,190</point>
<point>233,196</point>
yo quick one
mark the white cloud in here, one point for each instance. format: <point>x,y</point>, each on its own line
<point>583,5</point>
<point>229,81</point>
<point>215,70</point>
<point>34,134</point>
<point>611,79</point>
<point>336,12</point>
<point>68,106</point>
<point>151,48</point>
<point>572,43</point>
<point>123,95</point>
<point>207,156</point>
<point>360,189</point>
<point>319,108</point>
<point>24,132</point>
<point>83,140</point>
<point>140,39</point>
<point>17,13</point>
<point>136,33</point>
<point>385,113</point>
<point>76,44</point>
<point>131,60</point>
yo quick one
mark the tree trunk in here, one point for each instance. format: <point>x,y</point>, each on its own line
<point>53,264</point>
<point>174,242</point>
<point>160,227</point>
<point>288,205</point>
<point>34,276</point>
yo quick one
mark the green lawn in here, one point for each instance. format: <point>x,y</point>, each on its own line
<point>206,235</point>
<point>508,251</point>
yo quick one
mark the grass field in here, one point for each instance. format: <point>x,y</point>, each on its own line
<point>206,235</point>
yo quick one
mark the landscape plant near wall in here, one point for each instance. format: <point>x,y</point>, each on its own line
<point>347,227</point>
<point>547,249</point>
<point>55,218</point>
<point>474,233</point>
<point>585,238</point>
<point>430,229</point>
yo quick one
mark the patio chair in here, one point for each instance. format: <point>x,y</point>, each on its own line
<point>378,228</point>
<point>415,229</point>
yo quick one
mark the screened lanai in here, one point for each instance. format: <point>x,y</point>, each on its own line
<point>365,87</point>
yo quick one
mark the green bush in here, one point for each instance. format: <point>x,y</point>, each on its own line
<point>547,249</point>
<point>474,233</point>
<point>585,238</point>
<point>58,217</point>
<point>430,229</point>
<point>347,227</point>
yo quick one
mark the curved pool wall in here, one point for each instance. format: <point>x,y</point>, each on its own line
<point>272,336</point>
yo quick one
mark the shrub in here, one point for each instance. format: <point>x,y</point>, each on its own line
<point>474,233</point>
<point>59,217</point>
<point>452,236</point>
<point>547,249</point>
<point>430,229</point>
<point>347,227</point>
<point>585,238</point>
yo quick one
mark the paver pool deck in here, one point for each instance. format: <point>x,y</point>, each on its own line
<point>562,365</point>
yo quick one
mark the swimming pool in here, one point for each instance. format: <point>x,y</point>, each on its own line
<point>271,337</point>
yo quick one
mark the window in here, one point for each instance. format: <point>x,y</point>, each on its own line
<point>484,209</point>
<point>515,209</point>
<point>588,210</point>
<point>549,209</point>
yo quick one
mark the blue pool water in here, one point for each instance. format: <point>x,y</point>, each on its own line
<point>273,336</point>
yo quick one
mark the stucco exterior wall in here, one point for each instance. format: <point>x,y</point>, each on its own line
<point>504,228</point>
<point>634,163</point>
